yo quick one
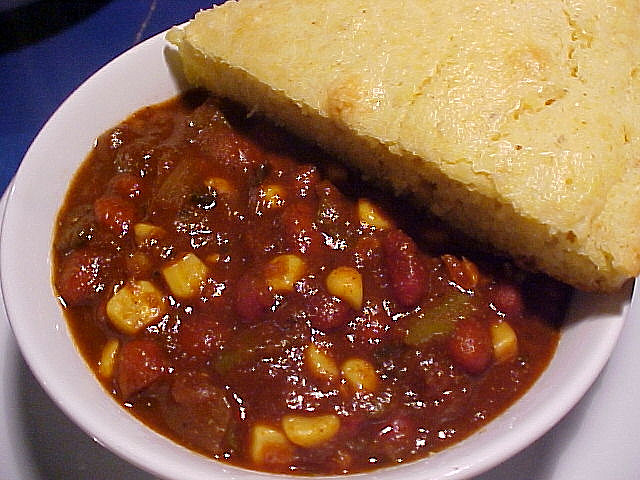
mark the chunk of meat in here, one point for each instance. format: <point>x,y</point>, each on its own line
<point>115,213</point>
<point>198,410</point>
<point>76,228</point>
<point>141,362</point>
<point>83,276</point>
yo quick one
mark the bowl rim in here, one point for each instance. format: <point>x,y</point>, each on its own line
<point>168,457</point>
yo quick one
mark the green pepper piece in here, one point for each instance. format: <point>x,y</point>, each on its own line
<point>439,319</point>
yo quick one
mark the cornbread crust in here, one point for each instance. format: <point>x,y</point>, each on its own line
<point>517,121</point>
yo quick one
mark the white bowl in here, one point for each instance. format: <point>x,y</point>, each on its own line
<point>143,76</point>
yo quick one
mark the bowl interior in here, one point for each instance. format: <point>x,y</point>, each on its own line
<point>145,75</point>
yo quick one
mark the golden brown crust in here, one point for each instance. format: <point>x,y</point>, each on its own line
<point>518,121</point>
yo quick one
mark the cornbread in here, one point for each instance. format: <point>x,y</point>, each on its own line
<point>517,121</point>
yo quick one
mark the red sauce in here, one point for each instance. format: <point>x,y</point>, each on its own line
<point>242,293</point>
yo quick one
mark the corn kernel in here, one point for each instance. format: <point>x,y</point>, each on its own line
<point>360,374</point>
<point>370,214</point>
<point>284,271</point>
<point>320,364</point>
<point>219,184</point>
<point>135,306</point>
<point>346,284</point>
<point>505,342</point>
<point>145,233</point>
<point>310,431</point>
<point>108,358</point>
<point>272,196</point>
<point>185,276</point>
<point>268,445</point>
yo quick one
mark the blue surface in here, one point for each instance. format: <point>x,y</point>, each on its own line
<point>48,48</point>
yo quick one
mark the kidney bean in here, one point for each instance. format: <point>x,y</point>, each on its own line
<point>82,277</point>
<point>328,312</point>
<point>508,299</point>
<point>397,434</point>
<point>141,362</point>
<point>470,345</point>
<point>115,213</point>
<point>407,273</point>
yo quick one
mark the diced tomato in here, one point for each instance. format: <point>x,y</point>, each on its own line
<point>470,346</point>
<point>367,252</point>
<point>115,213</point>
<point>305,178</point>
<point>334,207</point>
<point>200,335</point>
<point>404,266</point>
<point>462,272</point>
<point>252,298</point>
<point>141,362</point>
<point>300,234</point>
<point>82,277</point>
<point>371,330</point>
<point>240,156</point>
<point>125,185</point>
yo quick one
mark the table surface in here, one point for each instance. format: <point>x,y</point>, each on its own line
<point>47,49</point>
